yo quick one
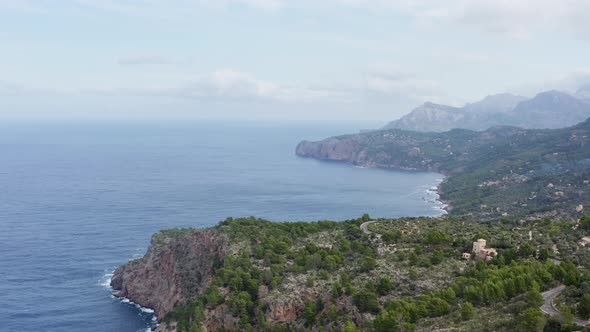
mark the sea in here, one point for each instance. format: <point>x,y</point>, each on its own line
<point>79,198</point>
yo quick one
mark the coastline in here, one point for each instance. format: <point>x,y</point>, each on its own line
<point>440,207</point>
<point>445,205</point>
<point>448,207</point>
<point>105,282</point>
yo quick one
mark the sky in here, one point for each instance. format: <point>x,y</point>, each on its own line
<point>272,60</point>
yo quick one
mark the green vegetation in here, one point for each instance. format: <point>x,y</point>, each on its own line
<point>335,277</point>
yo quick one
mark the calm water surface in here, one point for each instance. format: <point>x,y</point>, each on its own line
<point>79,199</point>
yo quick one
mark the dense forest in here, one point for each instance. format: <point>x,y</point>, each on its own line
<point>405,275</point>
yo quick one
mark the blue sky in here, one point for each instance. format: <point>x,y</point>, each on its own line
<point>281,59</point>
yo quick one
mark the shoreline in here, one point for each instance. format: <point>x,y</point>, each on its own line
<point>105,282</point>
<point>446,205</point>
<point>439,205</point>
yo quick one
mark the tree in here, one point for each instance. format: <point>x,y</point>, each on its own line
<point>413,260</point>
<point>526,250</point>
<point>309,313</point>
<point>530,320</point>
<point>384,286</point>
<point>583,308</point>
<point>466,311</point>
<point>437,257</point>
<point>534,298</point>
<point>385,322</point>
<point>391,237</point>
<point>350,327</point>
<point>241,304</point>
<point>336,290</point>
<point>368,264</point>
<point>213,296</point>
<point>543,254</point>
<point>437,237</point>
<point>567,319</point>
<point>585,222</point>
<point>366,301</point>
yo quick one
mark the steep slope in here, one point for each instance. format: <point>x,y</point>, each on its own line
<point>498,103</point>
<point>178,266</point>
<point>584,92</point>
<point>503,170</point>
<point>429,117</point>
<point>550,109</point>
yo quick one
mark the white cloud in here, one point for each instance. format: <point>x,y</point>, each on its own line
<point>229,85</point>
<point>571,82</point>
<point>15,89</point>
<point>395,83</point>
<point>517,18</point>
<point>168,8</point>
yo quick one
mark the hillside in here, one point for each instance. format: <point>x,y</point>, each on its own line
<point>406,274</point>
<point>503,171</point>
<point>550,109</point>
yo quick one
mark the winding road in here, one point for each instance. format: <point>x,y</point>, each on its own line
<point>365,227</point>
<point>549,309</point>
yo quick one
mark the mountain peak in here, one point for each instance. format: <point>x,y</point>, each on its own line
<point>501,102</point>
<point>548,109</point>
<point>584,92</point>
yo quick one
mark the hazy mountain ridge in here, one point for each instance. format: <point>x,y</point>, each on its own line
<point>549,110</point>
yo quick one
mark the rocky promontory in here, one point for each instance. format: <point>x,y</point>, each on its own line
<point>178,266</point>
<point>250,274</point>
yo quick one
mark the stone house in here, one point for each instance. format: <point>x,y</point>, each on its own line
<point>585,241</point>
<point>480,250</point>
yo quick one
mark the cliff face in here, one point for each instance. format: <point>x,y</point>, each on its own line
<point>175,268</point>
<point>331,149</point>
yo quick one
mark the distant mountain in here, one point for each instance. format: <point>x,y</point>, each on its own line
<point>502,102</point>
<point>429,117</point>
<point>584,92</point>
<point>550,109</point>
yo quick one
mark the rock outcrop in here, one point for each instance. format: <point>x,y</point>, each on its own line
<point>345,149</point>
<point>177,266</point>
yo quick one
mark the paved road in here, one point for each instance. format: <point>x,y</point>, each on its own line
<point>365,227</point>
<point>548,308</point>
<point>548,297</point>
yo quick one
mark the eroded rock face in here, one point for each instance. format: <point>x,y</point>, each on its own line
<point>173,270</point>
<point>330,149</point>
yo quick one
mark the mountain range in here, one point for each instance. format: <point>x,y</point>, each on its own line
<point>547,110</point>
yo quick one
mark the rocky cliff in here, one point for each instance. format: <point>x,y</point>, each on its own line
<point>178,266</point>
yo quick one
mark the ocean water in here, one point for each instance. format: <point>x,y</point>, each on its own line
<point>79,199</point>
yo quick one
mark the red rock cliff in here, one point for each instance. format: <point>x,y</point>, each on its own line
<point>175,268</point>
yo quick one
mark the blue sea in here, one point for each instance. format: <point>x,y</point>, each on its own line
<point>78,199</point>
